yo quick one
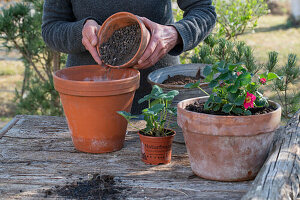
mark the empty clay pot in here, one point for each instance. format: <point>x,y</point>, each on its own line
<point>120,20</point>
<point>156,150</point>
<point>227,148</point>
<point>91,97</point>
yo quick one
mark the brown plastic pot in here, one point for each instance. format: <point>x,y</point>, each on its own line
<point>156,150</point>
<point>91,98</point>
<point>227,148</point>
<point>120,20</point>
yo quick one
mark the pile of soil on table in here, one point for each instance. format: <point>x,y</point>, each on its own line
<point>99,187</point>
<point>199,108</point>
<point>182,79</point>
<point>121,46</point>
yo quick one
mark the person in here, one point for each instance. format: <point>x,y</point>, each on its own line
<point>71,26</point>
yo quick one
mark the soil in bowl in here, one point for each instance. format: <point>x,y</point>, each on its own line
<point>182,79</point>
<point>121,46</point>
<point>199,108</point>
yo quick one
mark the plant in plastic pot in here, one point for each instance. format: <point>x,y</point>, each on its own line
<point>156,138</point>
<point>229,132</point>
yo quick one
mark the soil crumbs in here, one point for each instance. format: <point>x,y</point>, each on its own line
<point>199,108</point>
<point>182,79</point>
<point>121,46</point>
<point>99,187</point>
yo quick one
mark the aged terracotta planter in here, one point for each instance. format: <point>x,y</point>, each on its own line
<point>120,20</point>
<point>227,148</point>
<point>156,150</point>
<point>91,98</point>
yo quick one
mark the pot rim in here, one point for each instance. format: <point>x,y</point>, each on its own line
<point>96,88</point>
<point>150,137</point>
<point>224,116</point>
<point>94,82</point>
<point>205,84</point>
<point>112,18</point>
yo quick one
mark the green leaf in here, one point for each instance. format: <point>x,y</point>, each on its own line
<point>126,115</point>
<point>207,70</point>
<point>192,85</point>
<point>234,88</point>
<point>232,97</point>
<point>227,108</point>
<point>217,107</point>
<point>237,110</point>
<point>260,101</point>
<point>239,100</point>
<point>156,90</point>
<point>224,76</point>
<point>217,99</point>
<point>209,77</point>
<point>208,105</point>
<point>213,83</point>
<point>156,108</point>
<point>272,75</point>
<point>145,98</point>
<point>244,79</point>
<point>247,112</point>
<point>154,102</point>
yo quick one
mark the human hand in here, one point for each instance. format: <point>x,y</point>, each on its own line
<point>163,39</point>
<point>90,39</point>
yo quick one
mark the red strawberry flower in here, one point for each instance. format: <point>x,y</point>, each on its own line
<point>238,73</point>
<point>250,98</point>
<point>262,80</point>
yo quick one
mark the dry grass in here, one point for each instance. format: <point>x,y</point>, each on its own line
<point>273,34</point>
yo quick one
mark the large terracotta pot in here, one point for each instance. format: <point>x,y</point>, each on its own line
<point>156,150</point>
<point>118,21</point>
<point>227,148</point>
<point>91,97</point>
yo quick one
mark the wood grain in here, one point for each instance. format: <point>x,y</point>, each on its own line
<point>37,154</point>
<point>280,176</point>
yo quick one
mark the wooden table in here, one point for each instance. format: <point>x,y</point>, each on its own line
<point>37,154</point>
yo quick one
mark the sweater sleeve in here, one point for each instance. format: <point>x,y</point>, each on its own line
<point>60,30</point>
<point>199,19</point>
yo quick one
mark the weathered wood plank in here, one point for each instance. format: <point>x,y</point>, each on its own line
<point>8,126</point>
<point>280,176</point>
<point>37,154</point>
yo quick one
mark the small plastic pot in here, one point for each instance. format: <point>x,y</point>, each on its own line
<point>156,150</point>
<point>91,98</point>
<point>118,21</point>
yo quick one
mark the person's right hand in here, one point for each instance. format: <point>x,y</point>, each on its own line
<point>90,39</point>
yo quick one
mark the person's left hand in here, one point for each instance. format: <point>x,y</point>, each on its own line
<point>163,39</point>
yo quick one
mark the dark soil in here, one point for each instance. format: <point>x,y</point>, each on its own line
<point>99,187</point>
<point>199,108</point>
<point>182,79</point>
<point>121,46</point>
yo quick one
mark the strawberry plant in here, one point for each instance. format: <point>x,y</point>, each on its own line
<point>235,89</point>
<point>156,113</point>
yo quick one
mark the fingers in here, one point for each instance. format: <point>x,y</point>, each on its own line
<point>90,39</point>
<point>92,49</point>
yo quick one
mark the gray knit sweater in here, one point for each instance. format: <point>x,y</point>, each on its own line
<point>63,21</point>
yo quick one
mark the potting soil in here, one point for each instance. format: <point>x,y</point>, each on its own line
<point>182,79</point>
<point>99,187</point>
<point>121,46</point>
<point>199,108</point>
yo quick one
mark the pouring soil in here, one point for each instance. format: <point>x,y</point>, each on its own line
<point>121,46</point>
<point>123,38</point>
